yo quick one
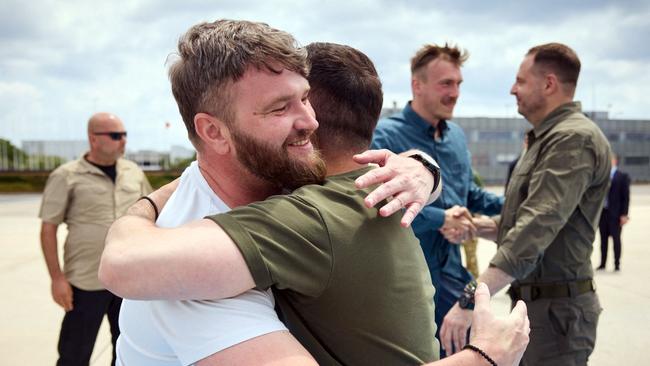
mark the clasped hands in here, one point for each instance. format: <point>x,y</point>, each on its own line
<point>460,225</point>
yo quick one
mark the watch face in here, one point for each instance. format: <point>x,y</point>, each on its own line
<point>463,302</point>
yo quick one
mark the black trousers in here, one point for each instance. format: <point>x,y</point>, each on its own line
<point>81,325</point>
<point>610,226</point>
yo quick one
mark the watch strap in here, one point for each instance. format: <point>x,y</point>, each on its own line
<point>434,169</point>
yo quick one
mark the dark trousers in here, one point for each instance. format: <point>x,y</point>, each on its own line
<point>81,325</point>
<point>610,226</point>
<point>562,330</point>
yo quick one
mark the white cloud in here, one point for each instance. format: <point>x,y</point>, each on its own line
<point>17,90</point>
<point>61,61</point>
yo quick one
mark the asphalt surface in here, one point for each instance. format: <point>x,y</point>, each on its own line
<point>31,320</point>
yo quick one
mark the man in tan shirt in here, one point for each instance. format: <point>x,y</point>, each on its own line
<point>87,194</point>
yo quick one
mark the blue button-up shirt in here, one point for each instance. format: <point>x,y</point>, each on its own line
<point>407,130</point>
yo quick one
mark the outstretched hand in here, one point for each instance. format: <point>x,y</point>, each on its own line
<point>503,339</point>
<point>404,179</point>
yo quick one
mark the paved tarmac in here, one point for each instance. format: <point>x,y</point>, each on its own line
<point>31,320</point>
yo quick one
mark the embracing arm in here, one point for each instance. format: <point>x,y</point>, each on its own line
<point>412,186</point>
<point>407,181</point>
<point>194,261</point>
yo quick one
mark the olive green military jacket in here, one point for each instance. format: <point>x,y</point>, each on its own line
<point>554,200</point>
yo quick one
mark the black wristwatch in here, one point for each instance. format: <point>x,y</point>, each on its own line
<point>466,300</point>
<point>431,165</point>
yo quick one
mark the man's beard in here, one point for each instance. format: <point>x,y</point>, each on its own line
<point>274,165</point>
<point>533,104</point>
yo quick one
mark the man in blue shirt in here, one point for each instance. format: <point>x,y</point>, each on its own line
<point>424,124</point>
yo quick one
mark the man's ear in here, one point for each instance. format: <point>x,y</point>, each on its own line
<point>91,140</point>
<point>213,133</point>
<point>415,85</point>
<point>551,84</point>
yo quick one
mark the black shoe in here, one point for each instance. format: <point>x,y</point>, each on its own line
<point>617,268</point>
<point>600,268</point>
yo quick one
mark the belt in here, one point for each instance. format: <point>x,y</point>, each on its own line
<point>536,291</point>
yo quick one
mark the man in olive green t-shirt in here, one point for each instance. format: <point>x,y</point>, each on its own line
<point>352,286</point>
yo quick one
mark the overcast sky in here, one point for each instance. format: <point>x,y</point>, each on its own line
<point>62,60</point>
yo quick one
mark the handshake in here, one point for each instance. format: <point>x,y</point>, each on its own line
<point>460,225</point>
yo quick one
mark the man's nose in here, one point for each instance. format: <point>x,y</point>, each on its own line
<point>307,120</point>
<point>455,91</point>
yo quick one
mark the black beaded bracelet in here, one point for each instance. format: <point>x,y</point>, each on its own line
<point>153,204</point>
<point>480,352</point>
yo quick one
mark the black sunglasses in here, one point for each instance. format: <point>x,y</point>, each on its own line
<point>116,136</point>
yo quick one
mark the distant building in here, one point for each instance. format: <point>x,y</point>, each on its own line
<point>630,139</point>
<point>495,142</point>
<point>74,149</point>
<point>177,153</point>
<point>149,159</point>
<point>66,149</point>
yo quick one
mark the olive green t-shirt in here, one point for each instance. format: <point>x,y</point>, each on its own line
<point>352,287</point>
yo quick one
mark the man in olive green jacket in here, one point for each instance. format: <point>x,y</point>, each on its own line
<point>547,228</point>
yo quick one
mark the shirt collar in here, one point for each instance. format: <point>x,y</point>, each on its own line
<point>412,117</point>
<point>86,167</point>
<point>556,116</point>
